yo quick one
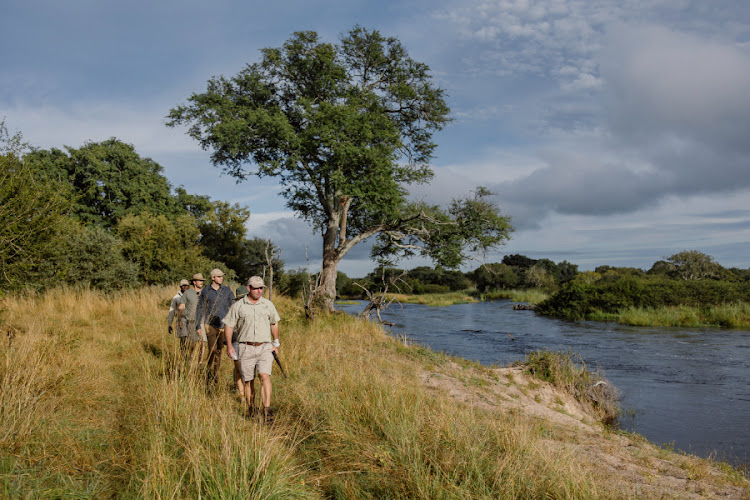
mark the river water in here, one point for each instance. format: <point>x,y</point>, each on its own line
<point>686,388</point>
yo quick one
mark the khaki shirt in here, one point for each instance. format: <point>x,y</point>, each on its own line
<point>252,322</point>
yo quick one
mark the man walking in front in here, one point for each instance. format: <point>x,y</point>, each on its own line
<point>257,324</point>
<point>213,304</point>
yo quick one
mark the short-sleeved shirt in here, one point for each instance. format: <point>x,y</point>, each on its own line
<point>190,300</point>
<point>252,321</point>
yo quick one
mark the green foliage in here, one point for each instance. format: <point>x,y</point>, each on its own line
<point>109,180</point>
<point>538,277</point>
<point>222,239</point>
<point>521,271</point>
<point>329,120</point>
<point>592,294</point>
<point>89,257</point>
<point>165,250</point>
<point>495,276</point>
<point>33,209</point>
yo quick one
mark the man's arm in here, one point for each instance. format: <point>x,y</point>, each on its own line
<point>199,312</point>
<point>228,337</point>
<point>275,335</point>
<point>180,314</point>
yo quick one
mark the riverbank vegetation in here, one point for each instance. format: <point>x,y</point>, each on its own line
<point>95,403</point>
<point>688,289</point>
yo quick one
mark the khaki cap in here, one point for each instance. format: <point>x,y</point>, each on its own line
<point>184,283</point>
<point>256,282</point>
<point>217,272</point>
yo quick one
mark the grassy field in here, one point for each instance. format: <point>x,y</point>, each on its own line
<point>96,403</point>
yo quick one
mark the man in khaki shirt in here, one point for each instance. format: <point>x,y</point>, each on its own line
<point>257,324</point>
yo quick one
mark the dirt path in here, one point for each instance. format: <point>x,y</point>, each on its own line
<point>633,464</point>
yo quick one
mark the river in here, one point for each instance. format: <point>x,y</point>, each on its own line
<point>681,387</point>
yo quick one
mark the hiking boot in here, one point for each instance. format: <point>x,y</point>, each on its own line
<point>266,416</point>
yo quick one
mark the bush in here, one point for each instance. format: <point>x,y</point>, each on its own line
<point>89,257</point>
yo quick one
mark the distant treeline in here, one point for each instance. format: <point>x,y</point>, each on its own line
<point>689,278</point>
<point>514,272</point>
<point>103,217</point>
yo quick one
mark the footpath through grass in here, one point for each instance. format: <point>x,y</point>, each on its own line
<point>96,404</point>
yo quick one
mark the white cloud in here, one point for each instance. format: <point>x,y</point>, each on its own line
<point>50,126</point>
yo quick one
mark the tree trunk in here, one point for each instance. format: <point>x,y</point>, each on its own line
<point>326,291</point>
<point>327,288</point>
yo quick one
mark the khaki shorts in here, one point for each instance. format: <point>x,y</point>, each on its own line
<point>251,356</point>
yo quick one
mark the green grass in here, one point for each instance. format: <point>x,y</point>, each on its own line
<point>434,299</point>
<point>735,315</point>
<point>531,296</point>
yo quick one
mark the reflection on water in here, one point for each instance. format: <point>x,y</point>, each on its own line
<point>686,387</point>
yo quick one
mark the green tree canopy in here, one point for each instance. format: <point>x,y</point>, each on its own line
<point>494,276</point>
<point>345,128</point>
<point>33,210</point>
<point>165,250</point>
<point>109,180</point>
<point>87,256</point>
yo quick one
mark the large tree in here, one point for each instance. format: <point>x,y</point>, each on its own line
<point>109,180</point>
<point>345,127</point>
<point>33,211</point>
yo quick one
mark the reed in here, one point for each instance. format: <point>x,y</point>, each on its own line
<point>731,315</point>
<point>531,295</point>
<point>433,299</point>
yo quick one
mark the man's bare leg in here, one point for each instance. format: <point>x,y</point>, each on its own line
<point>238,380</point>
<point>250,396</point>
<point>265,393</point>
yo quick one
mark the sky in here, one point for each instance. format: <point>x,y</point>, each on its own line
<point>612,132</point>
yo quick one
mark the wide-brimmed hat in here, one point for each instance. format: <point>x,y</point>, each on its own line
<point>241,292</point>
<point>184,283</point>
<point>256,282</point>
<point>198,277</point>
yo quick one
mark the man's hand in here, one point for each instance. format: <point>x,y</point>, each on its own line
<point>230,352</point>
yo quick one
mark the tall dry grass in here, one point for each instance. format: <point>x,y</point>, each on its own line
<point>97,403</point>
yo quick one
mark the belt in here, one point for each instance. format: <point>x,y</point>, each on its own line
<point>254,343</point>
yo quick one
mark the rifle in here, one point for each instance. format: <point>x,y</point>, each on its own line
<point>276,357</point>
